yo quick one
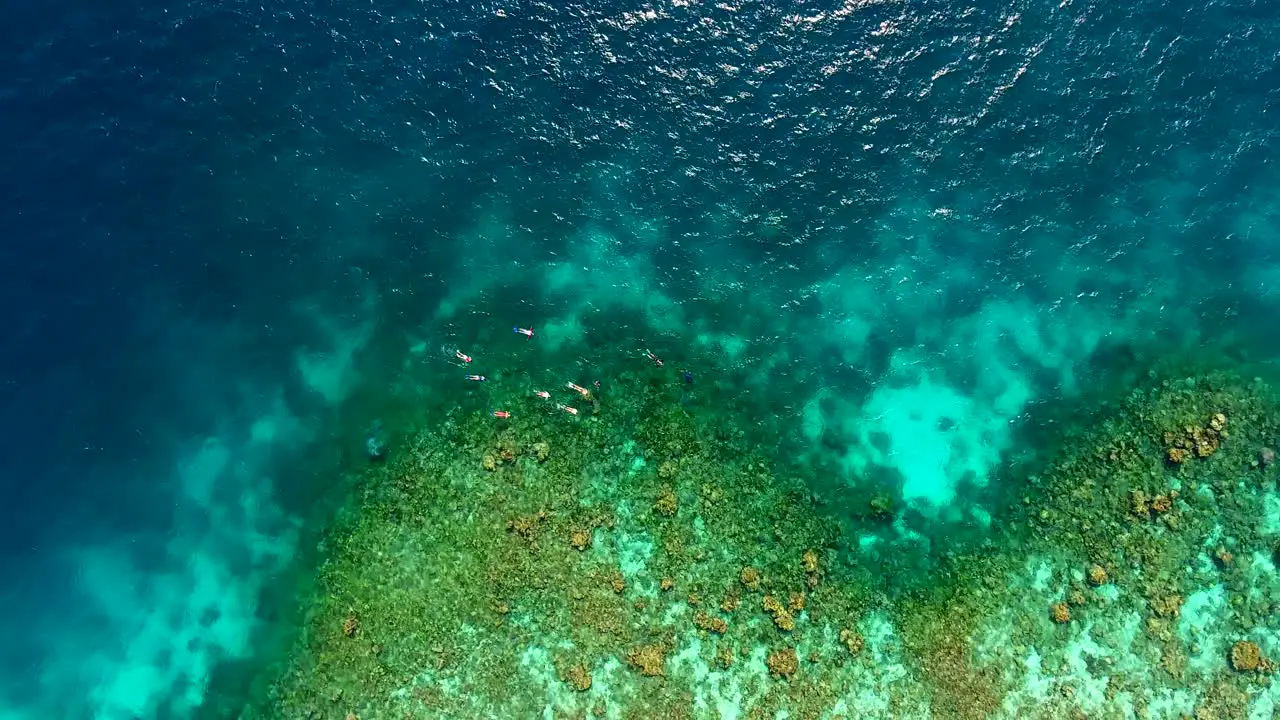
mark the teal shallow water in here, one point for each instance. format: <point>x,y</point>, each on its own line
<point>891,233</point>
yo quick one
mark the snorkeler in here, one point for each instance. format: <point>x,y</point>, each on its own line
<point>566,408</point>
<point>649,354</point>
<point>501,414</point>
<point>579,389</point>
<point>474,378</point>
<point>527,332</point>
<point>464,358</point>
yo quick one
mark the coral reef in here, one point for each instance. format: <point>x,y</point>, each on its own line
<point>1167,606</point>
<point>782,616</point>
<point>1097,575</point>
<point>1060,613</point>
<point>648,660</point>
<point>472,580</point>
<point>809,562</point>
<point>1195,440</point>
<point>350,626</point>
<point>852,641</point>
<point>527,526</point>
<point>783,663</point>
<point>710,623</point>
<point>578,677</point>
<point>1144,506</point>
<point>666,503</point>
<point>1246,656</point>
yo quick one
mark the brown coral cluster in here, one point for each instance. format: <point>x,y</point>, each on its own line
<point>1246,656</point>
<point>1143,505</point>
<point>617,583</point>
<point>503,452</point>
<point>1167,606</point>
<point>1163,502</point>
<point>580,539</point>
<point>783,663</point>
<point>578,677</point>
<point>561,580</point>
<point>1060,613</point>
<point>710,623</point>
<point>809,561</point>
<point>1097,575</point>
<point>666,503</point>
<point>1195,441</point>
<point>526,526</point>
<point>781,615</point>
<point>852,640</point>
<point>1223,557</point>
<point>648,660</point>
<point>812,570</point>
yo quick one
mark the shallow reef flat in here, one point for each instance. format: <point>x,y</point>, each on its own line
<point>644,561</point>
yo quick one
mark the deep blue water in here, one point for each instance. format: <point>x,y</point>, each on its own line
<point>197,195</point>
